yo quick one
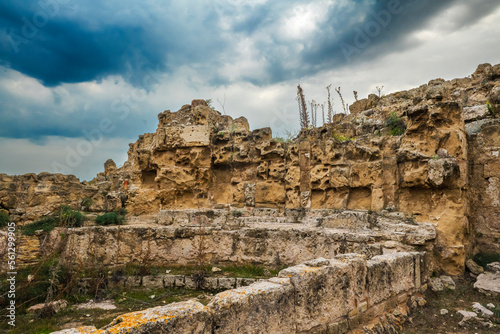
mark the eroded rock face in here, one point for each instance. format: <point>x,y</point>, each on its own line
<point>31,196</point>
<point>199,158</point>
<point>109,167</point>
<point>436,172</point>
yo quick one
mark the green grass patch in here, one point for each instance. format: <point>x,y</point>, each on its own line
<point>137,299</point>
<point>64,217</point>
<point>243,271</point>
<point>340,137</point>
<point>87,203</point>
<point>4,218</point>
<point>45,224</point>
<point>29,325</point>
<point>110,218</point>
<point>396,125</point>
<point>248,271</point>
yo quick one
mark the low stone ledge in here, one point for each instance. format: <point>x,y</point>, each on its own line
<point>263,307</point>
<point>171,281</point>
<point>389,274</point>
<point>185,317</point>
<point>323,295</point>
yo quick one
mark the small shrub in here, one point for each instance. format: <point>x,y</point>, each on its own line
<point>45,224</point>
<point>209,103</point>
<point>121,211</point>
<point>340,137</point>
<point>396,125</point>
<point>65,217</point>
<point>70,218</point>
<point>237,214</point>
<point>4,218</point>
<point>435,157</point>
<point>233,128</point>
<point>87,203</point>
<point>492,109</point>
<point>110,218</point>
<point>199,279</point>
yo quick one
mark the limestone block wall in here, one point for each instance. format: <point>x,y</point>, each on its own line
<point>443,170</point>
<point>28,250</point>
<point>324,295</point>
<point>158,246</point>
<point>485,188</point>
<point>228,240</point>
<point>200,159</point>
<point>29,197</point>
<point>259,236</point>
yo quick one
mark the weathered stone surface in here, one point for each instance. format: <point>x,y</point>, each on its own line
<point>441,283</point>
<point>56,306</point>
<point>32,196</point>
<point>364,104</point>
<point>226,283</point>
<point>466,316</point>
<point>268,241</point>
<point>448,282</point>
<point>435,92</point>
<point>493,267</point>
<point>436,284</point>
<point>475,113</point>
<point>314,309</point>
<point>474,267</point>
<point>488,283</point>
<point>185,317</point>
<point>389,274</point>
<point>441,170</point>
<point>79,330</point>
<point>482,310</point>
<point>152,282</point>
<point>263,307</point>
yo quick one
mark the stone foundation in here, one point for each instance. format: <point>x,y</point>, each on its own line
<point>320,296</point>
<point>271,240</point>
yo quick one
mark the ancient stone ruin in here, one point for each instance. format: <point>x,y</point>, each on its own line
<point>360,217</point>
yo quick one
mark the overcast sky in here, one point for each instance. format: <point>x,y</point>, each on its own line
<point>79,80</point>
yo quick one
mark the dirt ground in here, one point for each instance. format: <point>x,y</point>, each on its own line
<point>428,319</point>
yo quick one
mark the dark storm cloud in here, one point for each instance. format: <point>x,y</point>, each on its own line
<point>472,11</point>
<point>83,41</point>
<point>45,120</point>
<point>385,28</point>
